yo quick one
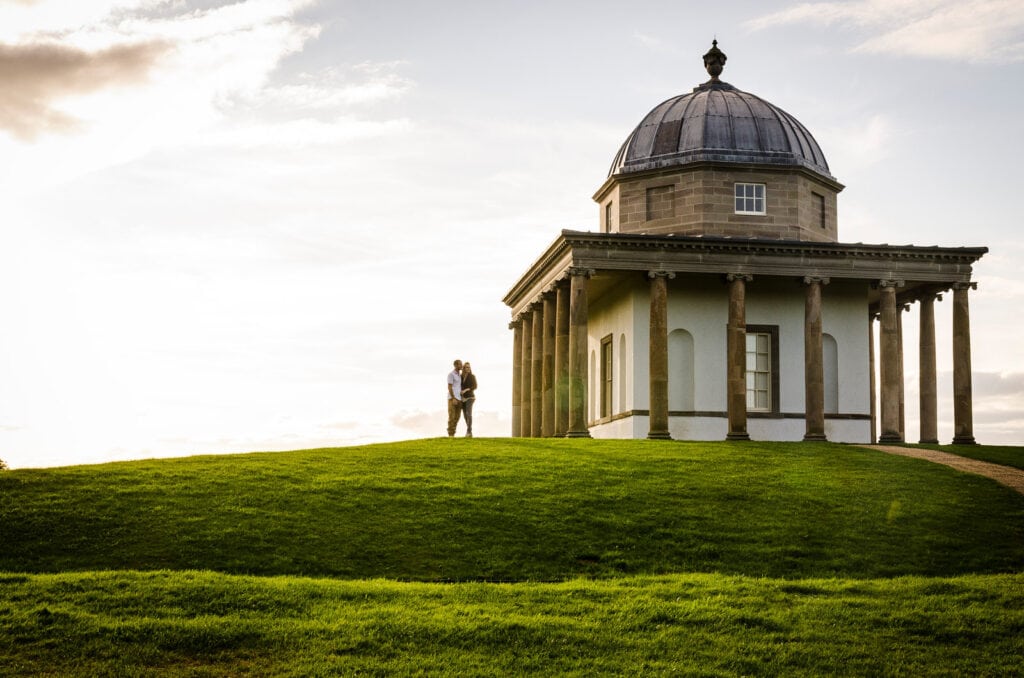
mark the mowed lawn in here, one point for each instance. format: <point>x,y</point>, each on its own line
<point>495,557</point>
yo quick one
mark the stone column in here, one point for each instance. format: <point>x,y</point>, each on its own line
<point>517,375</point>
<point>547,427</point>
<point>736,355</point>
<point>963,405</point>
<point>578,283</point>
<point>525,426</point>
<point>658,354</point>
<point>561,359</point>
<point>814,370</point>
<point>537,378</point>
<point>900,310</point>
<point>889,369</point>
<point>872,386</point>
<point>927,382</point>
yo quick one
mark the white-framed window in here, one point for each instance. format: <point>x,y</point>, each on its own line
<point>750,198</point>
<point>759,372</point>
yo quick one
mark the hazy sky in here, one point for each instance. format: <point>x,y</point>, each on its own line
<point>272,224</point>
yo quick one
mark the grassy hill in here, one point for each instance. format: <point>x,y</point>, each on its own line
<point>619,557</point>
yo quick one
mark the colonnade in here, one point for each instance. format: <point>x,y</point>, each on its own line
<point>550,378</point>
<point>549,399</point>
<point>891,411</point>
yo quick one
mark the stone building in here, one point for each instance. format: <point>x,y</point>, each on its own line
<point>716,300</point>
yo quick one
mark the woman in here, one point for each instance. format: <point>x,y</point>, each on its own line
<point>468,397</point>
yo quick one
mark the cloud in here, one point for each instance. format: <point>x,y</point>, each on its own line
<point>991,384</point>
<point>35,76</point>
<point>422,424</point>
<point>651,42</point>
<point>861,143</point>
<point>193,74</point>
<point>360,84</point>
<point>982,31</point>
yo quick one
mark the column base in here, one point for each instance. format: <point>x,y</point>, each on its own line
<point>964,440</point>
<point>928,441</point>
<point>815,438</point>
<point>578,434</point>
<point>890,438</point>
<point>738,436</point>
<point>659,435</point>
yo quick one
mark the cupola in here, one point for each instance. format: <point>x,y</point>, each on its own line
<point>720,161</point>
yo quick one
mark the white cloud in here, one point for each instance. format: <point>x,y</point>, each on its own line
<point>863,142</point>
<point>979,31</point>
<point>211,86</point>
<point>651,42</point>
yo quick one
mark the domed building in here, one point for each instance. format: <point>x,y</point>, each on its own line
<point>716,300</point>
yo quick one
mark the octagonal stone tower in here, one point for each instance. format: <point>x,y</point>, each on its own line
<point>720,162</point>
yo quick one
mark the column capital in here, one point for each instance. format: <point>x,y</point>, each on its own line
<point>930,296</point>
<point>883,284</point>
<point>515,324</point>
<point>811,279</point>
<point>661,274</point>
<point>905,308</point>
<point>961,286</point>
<point>581,271</point>
<point>745,277</point>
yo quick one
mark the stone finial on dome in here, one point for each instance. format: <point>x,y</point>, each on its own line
<point>714,61</point>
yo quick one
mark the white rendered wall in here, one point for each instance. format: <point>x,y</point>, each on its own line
<point>699,305</point>
<point>612,313</point>
<point>844,316</point>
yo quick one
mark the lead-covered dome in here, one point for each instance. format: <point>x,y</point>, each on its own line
<point>718,123</point>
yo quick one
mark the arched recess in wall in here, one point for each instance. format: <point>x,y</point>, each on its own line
<point>623,374</point>
<point>680,371</point>
<point>592,388</point>
<point>830,363</point>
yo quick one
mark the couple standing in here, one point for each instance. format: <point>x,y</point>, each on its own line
<point>461,395</point>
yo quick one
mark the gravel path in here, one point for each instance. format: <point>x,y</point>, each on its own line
<point>1007,475</point>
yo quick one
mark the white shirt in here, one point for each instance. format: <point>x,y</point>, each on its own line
<point>455,381</point>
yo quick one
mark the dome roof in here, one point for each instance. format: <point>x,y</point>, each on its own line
<point>718,123</point>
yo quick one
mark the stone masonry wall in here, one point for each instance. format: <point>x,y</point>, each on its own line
<point>701,202</point>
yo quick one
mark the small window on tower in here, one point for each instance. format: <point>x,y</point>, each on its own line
<point>608,218</point>
<point>750,199</point>
<point>819,205</point>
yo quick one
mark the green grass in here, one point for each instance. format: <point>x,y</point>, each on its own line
<point>210,624</point>
<point>442,510</point>
<point>621,557</point>
<point>1007,456</point>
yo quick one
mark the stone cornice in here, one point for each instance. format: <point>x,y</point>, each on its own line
<point>711,164</point>
<point>938,267</point>
<point>625,241</point>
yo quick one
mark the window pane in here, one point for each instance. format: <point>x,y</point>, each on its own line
<point>763,343</point>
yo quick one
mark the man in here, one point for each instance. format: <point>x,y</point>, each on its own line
<point>454,397</point>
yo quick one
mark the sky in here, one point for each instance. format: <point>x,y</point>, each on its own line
<point>232,226</point>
